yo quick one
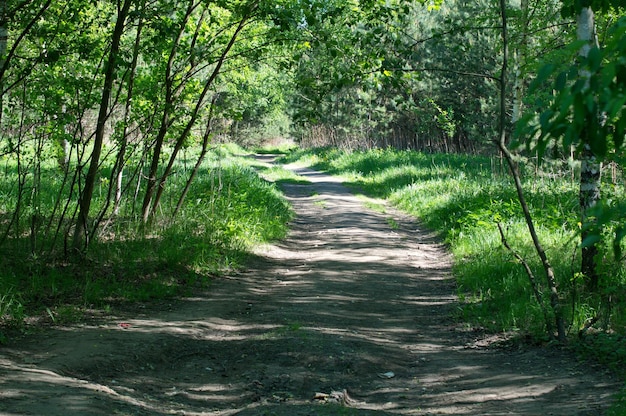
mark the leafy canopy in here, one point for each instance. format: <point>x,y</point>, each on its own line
<point>583,110</point>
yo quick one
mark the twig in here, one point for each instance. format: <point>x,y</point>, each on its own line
<point>529,272</point>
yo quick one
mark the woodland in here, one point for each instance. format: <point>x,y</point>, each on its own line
<point>501,124</point>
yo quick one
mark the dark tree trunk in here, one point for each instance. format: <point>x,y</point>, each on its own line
<point>81,237</point>
<point>171,95</point>
<point>194,117</point>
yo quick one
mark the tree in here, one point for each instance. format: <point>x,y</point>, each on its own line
<point>199,105</point>
<point>81,232</point>
<point>172,93</point>
<point>590,167</point>
<point>411,75</point>
<point>4,32</point>
<point>586,113</point>
<point>502,146</point>
<point>115,105</point>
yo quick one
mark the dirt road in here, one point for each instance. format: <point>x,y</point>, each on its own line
<point>350,315</point>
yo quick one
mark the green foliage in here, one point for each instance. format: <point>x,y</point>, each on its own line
<point>583,110</point>
<point>618,408</point>
<point>280,175</point>
<point>170,83</point>
<point>608,349</point>
<point>572,7</point>
<point>229,211</point>
<point>11,308</point>
<point>244,208</point>
<point>586,107</point>
<point>411,75</point>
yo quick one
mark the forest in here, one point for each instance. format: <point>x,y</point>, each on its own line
<point>500,124</point>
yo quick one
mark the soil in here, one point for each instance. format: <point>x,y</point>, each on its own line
<point>352,314</point>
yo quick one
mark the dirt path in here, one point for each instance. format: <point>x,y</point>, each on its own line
<point>352,307</point>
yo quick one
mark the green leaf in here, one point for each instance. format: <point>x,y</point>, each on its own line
<point>615,107</point>
<point>620,133</point>
<point>598,144</point>
<point>620,233</point>
<point>594,59</point>
<point>561,80</point>
<point>591,240</point>
<point>544,120</point>
<point>544,73</point>
<point>579,113</point>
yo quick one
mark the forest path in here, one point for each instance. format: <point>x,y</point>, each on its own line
<point>350,315</point>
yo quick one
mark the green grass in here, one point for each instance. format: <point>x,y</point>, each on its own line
<point>279,148</point>
<point>281,175</point>
<point>229,210</point>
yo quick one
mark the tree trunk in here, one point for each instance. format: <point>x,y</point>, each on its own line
<point>4,38</point>
<point>4,31</point>
<point>119,175</point>
<point>206,139</point>
<point>501,143</point>
<point>590,168</point>
<point>170,96</point>
<point>116,180</point>
<point>520,61</point>
<point>6,56</point>
<point>81,237</point>
<point>194,115</point>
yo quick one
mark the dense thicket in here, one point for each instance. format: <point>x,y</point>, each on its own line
<point>102,98</point>
<point>419,76</point>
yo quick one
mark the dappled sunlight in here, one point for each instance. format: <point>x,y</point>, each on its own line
<point>207,395</point>
<point>427,300</point>
<point>212,328</point>
<point>79,396</point>
<point>353,301</point>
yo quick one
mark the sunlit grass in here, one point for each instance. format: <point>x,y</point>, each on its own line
<point>282,147</point>
<point>280,175</point>
<point>228,211</point>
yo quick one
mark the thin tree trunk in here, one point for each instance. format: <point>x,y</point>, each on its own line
<point>550,277</point>
<point>194,115</point>
<point>6,56</point>
<point>205,148</point>
<point>519,62</point>
<point>590,168</point>
<point>81,237</point>
<point>4,38</point>
<point>170,96</point>
<point>117,174</point>
<point>4,31</point>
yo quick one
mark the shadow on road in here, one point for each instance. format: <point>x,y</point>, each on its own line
<point>345,303</point>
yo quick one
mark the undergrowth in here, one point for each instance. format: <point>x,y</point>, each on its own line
<point>228,211</point>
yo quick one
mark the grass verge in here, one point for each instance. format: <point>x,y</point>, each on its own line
<point>228,211</point>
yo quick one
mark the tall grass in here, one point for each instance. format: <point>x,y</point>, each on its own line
<point>229,210</point>
<point>463,198</point>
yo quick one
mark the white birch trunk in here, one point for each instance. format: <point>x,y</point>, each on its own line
<point>4,38</point>
<point>590,169</point>
<point>519,60</point>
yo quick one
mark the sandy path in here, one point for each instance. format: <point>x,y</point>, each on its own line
<point>350,302</point>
